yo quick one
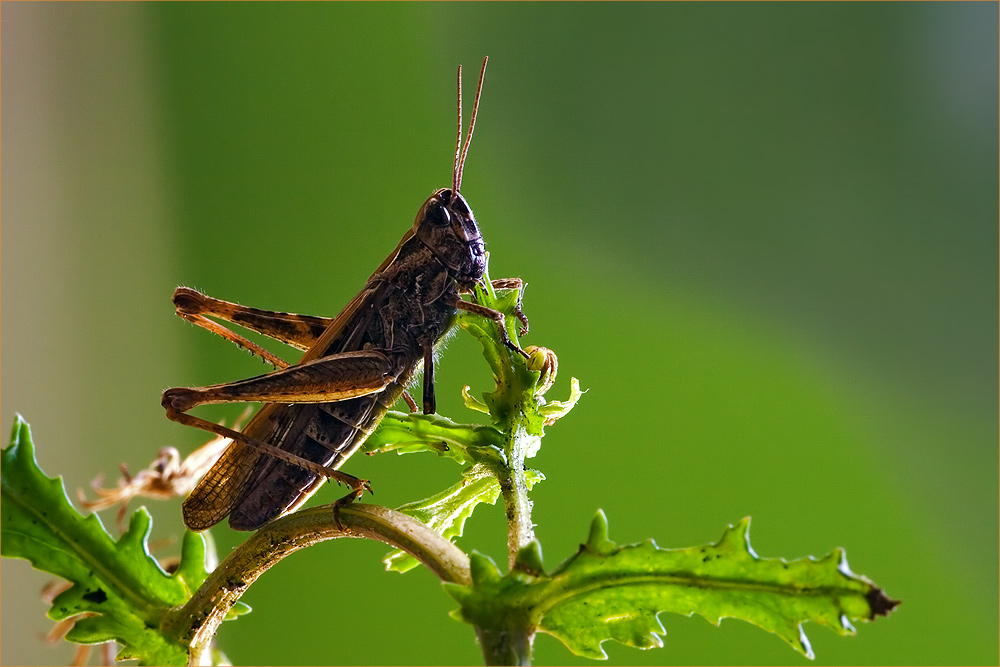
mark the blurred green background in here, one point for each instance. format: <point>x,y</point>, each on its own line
<point>764,237</point>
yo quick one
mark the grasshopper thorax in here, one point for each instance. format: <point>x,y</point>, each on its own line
<point>446,225</point>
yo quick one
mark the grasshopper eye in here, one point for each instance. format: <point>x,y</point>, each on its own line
<point>438,216</point>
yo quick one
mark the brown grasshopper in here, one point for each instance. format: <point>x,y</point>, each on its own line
<point>318,412</point>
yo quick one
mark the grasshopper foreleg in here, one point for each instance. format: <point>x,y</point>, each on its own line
<point>517,284</point>
<point>497,317</point>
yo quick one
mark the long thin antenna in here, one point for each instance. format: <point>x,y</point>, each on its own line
<point>460,161</point>
<point>456,178</point>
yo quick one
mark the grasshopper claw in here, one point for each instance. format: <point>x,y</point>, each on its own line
<point>354,495</point>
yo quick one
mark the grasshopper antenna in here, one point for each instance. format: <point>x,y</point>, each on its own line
<point>455,178</point>
<point>460,150</point>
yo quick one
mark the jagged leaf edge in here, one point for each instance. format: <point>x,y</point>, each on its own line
<point>526,591</point>
<point>410,433</point>
<point>108,615</point>
<point>478,486</point>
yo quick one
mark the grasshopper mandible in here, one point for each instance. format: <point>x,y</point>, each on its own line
<point>318,412</point>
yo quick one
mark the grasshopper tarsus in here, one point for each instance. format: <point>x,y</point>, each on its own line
<point>515,348</point>
<point>350,498</point>
<point>500,320</point>
<point>522,318</point>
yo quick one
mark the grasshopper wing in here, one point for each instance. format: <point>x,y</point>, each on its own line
<point>214,496</point>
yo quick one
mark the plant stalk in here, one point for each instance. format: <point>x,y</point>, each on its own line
<point>512,646</point>
<point>514,487</point>
<point>196,623</point>
<point>505,647</point>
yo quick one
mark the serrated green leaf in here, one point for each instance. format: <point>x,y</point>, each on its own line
<point>472,402</point>
<point>529,558</point>
<point>447,512</point>
<point>192,570</point>
<point>411,433</point>
<point>555,410</point>
<point>124,587</point>
<point>615,592</point>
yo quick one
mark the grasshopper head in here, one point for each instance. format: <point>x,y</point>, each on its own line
<point>446,225</point>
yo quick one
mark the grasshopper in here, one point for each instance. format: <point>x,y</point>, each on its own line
<point>319,411</point>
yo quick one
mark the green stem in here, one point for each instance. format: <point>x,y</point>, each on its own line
<point>505,647</point>
<point>512,646</point>
<point>514,487</point>
<point>195,623</point>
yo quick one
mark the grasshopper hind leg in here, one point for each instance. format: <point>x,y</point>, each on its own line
<point>299,331</point>
<point>320,433</point>
<point>351,497</point>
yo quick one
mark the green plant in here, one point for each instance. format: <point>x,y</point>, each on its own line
<point>604,591</point>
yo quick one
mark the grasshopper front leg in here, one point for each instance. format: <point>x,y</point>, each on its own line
<point>430,402</point>
<point>515,284</point>
<point>497,317</point>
